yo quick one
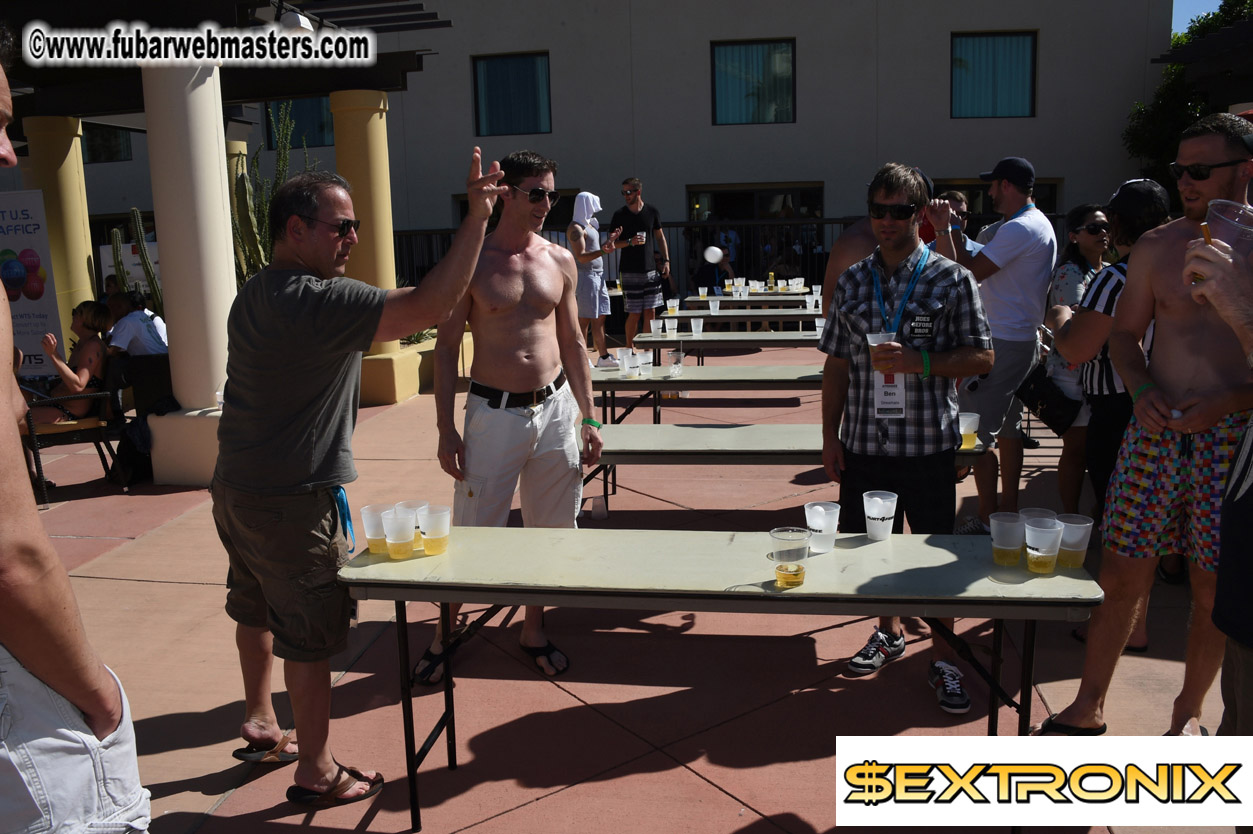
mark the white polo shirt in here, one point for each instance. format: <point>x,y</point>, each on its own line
<point>1014,297</point>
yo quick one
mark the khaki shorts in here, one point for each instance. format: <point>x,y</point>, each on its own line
<point>285,552</point>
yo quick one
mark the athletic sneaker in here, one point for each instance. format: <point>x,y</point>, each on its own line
<point>879,649</point>
<point>972,527</point>
<point>945,679</point>
<point>606,361</point>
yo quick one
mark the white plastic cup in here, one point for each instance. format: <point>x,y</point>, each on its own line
<point>1044,539</point>
<point>372,522</point>
<point>968,425</point>
<point>823,517</point>
<point>672,325</point>
<point>436,521</point>
<point>1076,531</point>
<point>1231,223</point>
<point>1036,512</point>
<point>880,508</point>
<point>633,366</point>
<point>739,282</point>
<point>623,353</point>
<point>698,326</point>
<point>789,544</point>
<point>876,339</point>
<point>414,507</point>
<point>654,325</point>
<point>714,305</point>
<point>672,305</point>
<point>646,364</point>
<point>399,527</point>
<point>820,325</point>
<point>702,293</point>
<point>676,363</point>
<point>1008,535</point>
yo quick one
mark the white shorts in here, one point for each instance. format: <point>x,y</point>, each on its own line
<point>534,449</point>
<point>55,775</point>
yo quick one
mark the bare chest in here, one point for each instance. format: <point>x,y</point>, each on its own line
<point>527,283</point>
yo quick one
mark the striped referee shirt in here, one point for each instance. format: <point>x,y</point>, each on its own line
<point>1098,374</point>
<point>944,312</point>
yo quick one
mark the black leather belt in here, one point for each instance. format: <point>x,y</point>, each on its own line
<point>504,399</point>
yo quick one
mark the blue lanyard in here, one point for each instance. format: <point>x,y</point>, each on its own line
<point>890,327</point>
<point>1028,207</point>
<point>341,504</point>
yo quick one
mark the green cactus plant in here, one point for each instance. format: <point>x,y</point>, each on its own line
<point>119,266</point>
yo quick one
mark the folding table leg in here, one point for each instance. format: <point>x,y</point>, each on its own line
<point>445,624</point>
<point>406,711</point>
<point>1028,672</point>
<point>994,702</point>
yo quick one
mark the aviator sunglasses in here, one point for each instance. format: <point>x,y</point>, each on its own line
<point>537,194</point>
<point>1200,172</point>
<point>342,227</point>
<point>899,211</point>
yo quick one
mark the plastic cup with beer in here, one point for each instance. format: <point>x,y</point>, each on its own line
<point>714,305</point>
<point>413,507</point>
<point>1043,539</point>
<point>435,521</point>
<point>372,521</point>
<point>632,366</point>
<point>727,284</point>
<point>698,326</point>
<point>880,507</point>
<point>1076,530</point>
<point>823,517</point>
<point>789,546</point>
<point>739,282</point>
<point>702,293</point>
<point>1008,537</point>
<point>654,326</point>
<point>672,305</point>
<point>399,527</point>
<point>968,423</point>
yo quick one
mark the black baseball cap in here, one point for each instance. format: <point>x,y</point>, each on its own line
<point>1013,168</point>
<point>1137,198</point>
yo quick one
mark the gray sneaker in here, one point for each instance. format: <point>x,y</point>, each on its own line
<point>945,679</point>
<point>972,527</point>
<point>879,649</point>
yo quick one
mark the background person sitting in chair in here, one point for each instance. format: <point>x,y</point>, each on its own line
<point>83,372</point>
<point>134,334</point>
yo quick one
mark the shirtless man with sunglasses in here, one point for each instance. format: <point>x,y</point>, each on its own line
<point>1191,406</point>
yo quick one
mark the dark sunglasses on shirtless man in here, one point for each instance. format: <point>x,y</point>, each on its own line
<point>535,195</point>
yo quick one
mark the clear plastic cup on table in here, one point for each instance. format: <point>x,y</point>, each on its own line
<point>968,425</point>
<point>727,285</point>
<point>702,293</point>
<point>823,518</point>
<point>1076,531</point>
<point>654,325</point>
<point>698,325</point>
<point>413,507</point>
<point>880,508</point>
<point>646,364</point>
<point>714,305</point>
<point>672,305</point>
<point>739,282</point>
<point>623,353</point>
<point>789,547</point>
<point>399,527</point>
<point>633,366</point>
<point>372,522</point>
<point>676,363</point>
<point>436,522</point>
<point>1008,537</point>
<point>672,325</point>
<point>796,283</point>
<point>1043,540</point>
<point>820,324</point>
<point>1037,512</point>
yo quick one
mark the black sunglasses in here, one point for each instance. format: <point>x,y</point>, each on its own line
<point>1092,228</point>
<point>342,227</point>
<point>629,192</point>
<point>899,211</point>
<point>537,194</point>
<point>1199,172</point>
<point>961,215</point>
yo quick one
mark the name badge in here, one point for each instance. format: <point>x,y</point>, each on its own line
<point>922,327</point>
<point>889,396</point>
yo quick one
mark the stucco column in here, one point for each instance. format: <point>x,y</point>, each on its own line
<point>388,375</point>
<point>190,200</point>
<point>56,169</point>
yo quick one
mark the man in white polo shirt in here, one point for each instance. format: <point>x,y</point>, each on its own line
<point>1013,274</point>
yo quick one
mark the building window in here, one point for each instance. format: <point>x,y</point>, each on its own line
<point>993,75</point>
<point>105,143</point>
<point>511,95</point>
<point>312,126</point>
<point>754,82</point>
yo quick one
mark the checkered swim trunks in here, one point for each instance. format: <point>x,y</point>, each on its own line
<point>1167,491</point>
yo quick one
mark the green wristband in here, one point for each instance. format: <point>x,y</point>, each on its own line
<point>926,364</point>
<point>1146,386</point>
<point>594,423</point>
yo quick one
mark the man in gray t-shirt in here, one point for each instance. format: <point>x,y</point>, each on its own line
<point>295,336</point>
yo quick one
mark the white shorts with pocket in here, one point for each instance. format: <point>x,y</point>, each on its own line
<point>534,449</point>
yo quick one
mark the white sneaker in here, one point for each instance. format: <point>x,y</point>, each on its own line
<point>606,361</point>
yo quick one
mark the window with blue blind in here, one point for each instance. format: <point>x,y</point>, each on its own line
<point>312,125</point>
<point>993,75</point>
<point>511,95</point>
<point>754,82</point>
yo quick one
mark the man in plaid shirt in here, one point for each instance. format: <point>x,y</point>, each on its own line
<point>889,420</point>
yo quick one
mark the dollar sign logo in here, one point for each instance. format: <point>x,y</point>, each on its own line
<point>872,780</point>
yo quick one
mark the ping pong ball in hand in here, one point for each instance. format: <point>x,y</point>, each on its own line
<point>713,254</point>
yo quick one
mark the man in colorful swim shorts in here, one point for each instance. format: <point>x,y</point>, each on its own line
<point>1191,405</point>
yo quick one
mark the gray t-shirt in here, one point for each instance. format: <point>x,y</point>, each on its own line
<point>293,370</point>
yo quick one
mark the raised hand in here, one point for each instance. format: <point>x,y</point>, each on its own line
<point>940,213</point>
<point>481,189</point>
<point>611,240</point>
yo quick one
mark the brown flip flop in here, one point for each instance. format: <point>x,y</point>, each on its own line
<point>346,777</point>
<point>278,754</point>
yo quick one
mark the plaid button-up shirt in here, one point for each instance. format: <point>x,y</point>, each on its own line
<point>943,312</point>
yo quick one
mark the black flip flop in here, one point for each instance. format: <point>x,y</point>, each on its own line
<point>547,651</point>
<point>1052,726</point>
<point>346,777</point>
<point>433,661</point>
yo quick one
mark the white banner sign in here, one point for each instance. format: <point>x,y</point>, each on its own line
<point>26,271</point>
